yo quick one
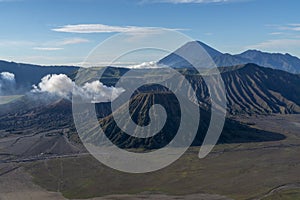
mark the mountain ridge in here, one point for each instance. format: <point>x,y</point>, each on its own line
<point>286,62</point>
<point>251,89</point>
<point>233,132</point>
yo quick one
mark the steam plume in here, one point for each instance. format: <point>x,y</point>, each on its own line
<point>62,86</point>
<point>7,83</point>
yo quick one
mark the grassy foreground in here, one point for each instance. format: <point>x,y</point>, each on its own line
<point>266,170</point>
<point>233,171</point>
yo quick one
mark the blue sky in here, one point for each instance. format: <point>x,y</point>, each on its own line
<point>65,31</point>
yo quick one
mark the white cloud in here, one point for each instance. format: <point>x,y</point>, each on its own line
<point>277,45</point>
<point>276,33</point>
<point>146,65</point>
<point>57,45</point>
<point>102,28</point>
<point>290,27</point>
<point>44,46</point>
<point>61,85</point>
<point>286,27</point>
<point>69,41</point>
<point>47,48</point>
<point>16,43</point>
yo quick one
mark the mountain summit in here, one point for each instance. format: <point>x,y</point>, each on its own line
<point>190,50</point>
<point>204,59</point>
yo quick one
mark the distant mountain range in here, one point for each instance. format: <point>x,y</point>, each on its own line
<point>27,75</point>
<point>284,62</point>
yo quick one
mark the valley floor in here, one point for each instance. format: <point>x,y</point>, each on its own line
<point>265,170</point>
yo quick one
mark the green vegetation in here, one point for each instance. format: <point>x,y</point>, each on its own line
<point>242,172</point>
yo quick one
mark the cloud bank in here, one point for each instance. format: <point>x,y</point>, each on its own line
<point>146,65</point>
<point>290,27</point>
<point>277,44</point>
<point>102,28</point>
<point>62,86</point>
<point>58,45</point>
<point>47,48</point>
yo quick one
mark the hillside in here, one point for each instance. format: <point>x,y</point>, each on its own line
<point>46,129</point>
<point>233,132</point>
<point>54,122</point>
<point>254,89</point>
